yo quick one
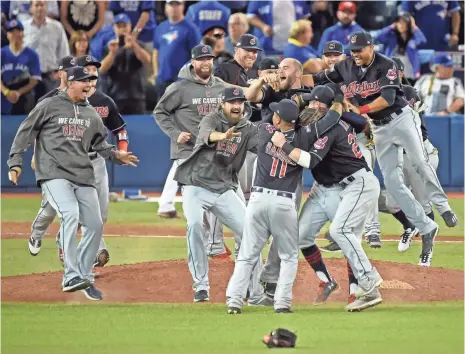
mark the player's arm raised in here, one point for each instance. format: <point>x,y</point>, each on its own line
<point>208,134</point>
<point>329,75</point>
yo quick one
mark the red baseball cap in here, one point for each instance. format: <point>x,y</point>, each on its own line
<point>347,6</point>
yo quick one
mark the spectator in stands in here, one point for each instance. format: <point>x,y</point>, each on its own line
<point>273,20</point>
<point>48,38</point>
<point>298,46</point>
<point>442,93</point>
<point>88,16</point>
<point>401,39</point>
<point>238,25</point>
<point>322,17</point>
<point>174,39</point>
<point>207,15</point>
<point>236,6</point>
<point>109,17</point>
<point>79,44</point>
<point>268,66</point>
<point>142,18</point>
<point>20,9</point>
<point>439,21</point>
<point>20,72</point>
<point>124,64</point>
<point>346,13</point>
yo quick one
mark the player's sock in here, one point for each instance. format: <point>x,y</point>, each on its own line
<point>431,215</point>
<point>402,218</point>
<point>353,282</point>
<point>312,255</point>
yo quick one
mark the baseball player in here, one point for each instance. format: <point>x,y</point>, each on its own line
<point>112,119</point>
<point>371,81</point>
<point>411,177</point>
<point>178,114</point>
<point>272,209</point>
<point>344,191</point>
<point>66,128</point>
<point>209,182</point>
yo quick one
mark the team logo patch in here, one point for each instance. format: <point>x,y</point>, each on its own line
<point>332,45</point>
<point>236,92</point>
<point>320,143</point>
<point>252,41</point>
<point>72,61</point>
<point>392,73</point>
<point>85,71</point>
<point>353,39</point>
<point>88,58</point>
<point>204,49</point>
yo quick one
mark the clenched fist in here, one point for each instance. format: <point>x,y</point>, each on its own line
<point>184,137</point>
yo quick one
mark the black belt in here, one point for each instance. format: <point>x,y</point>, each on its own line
<point>389,118</point>
<point>278,193</point>
<point>348,181</point>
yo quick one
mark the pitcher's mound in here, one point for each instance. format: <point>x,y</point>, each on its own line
<point>170,281</point>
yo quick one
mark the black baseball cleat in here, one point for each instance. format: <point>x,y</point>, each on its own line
<point>76,284</point>
<point>332,247</point>
<point>92,293</point>
<point>283,310</point>
<point>450,218</point>
<point>234,310</point>
<point>201,296</point>
<point>427,248</point>
<point>270,289</point>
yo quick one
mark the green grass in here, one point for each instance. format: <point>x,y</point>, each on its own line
<point>124,250</point>
<point>165,328</point>
<point>143,213</point>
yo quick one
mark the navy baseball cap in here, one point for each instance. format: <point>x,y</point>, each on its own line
<point>268,63</point>
<point>333,47</point>
<point>121,18</point>
<point>359,40</point>
<point>286,109</point>
<point>248,41</point>
<point>399,64</point>
<point>321,93</point>
<point>79,73</point>
<point>233,93</point>
<point>15,24</point>
<point>86,60</point>
<point>443,59</point>
<point>66,63</point>
<point>202,51</point>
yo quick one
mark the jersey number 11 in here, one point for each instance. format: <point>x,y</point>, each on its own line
<point>274,168</point>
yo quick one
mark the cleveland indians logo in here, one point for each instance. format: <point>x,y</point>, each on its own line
<point>364,89</point>
<point>353,39</point>
<point>252,41</point>
<point>72,62</point>
<point>320,143</point>
<point>392,73</point>
<point>88,59</point>
<point>236,92</point>
<point>204,49</point>
<point>332,46</point>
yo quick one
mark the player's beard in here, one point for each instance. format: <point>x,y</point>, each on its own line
<point>203,73</point>
<point>234,115</point>
<point>310,115</point>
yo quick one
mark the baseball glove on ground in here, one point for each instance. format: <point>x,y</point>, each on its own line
<point>103,257</point>
<point>280,338</point>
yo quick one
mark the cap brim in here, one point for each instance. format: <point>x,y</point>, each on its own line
<point>356,47</point>
<point>94,63</point>
<point>307,97</point>
<point>13,28</point>
<point>333,51</point>
<point>87,77</point>
<point>235,99</point>
<point>250,48</point>
<point>274,106</point>
<point>204,56</point>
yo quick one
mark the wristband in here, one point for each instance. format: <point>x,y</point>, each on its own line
<point>287,148</point>
<point>364,109</point>
<point>6,92</point>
